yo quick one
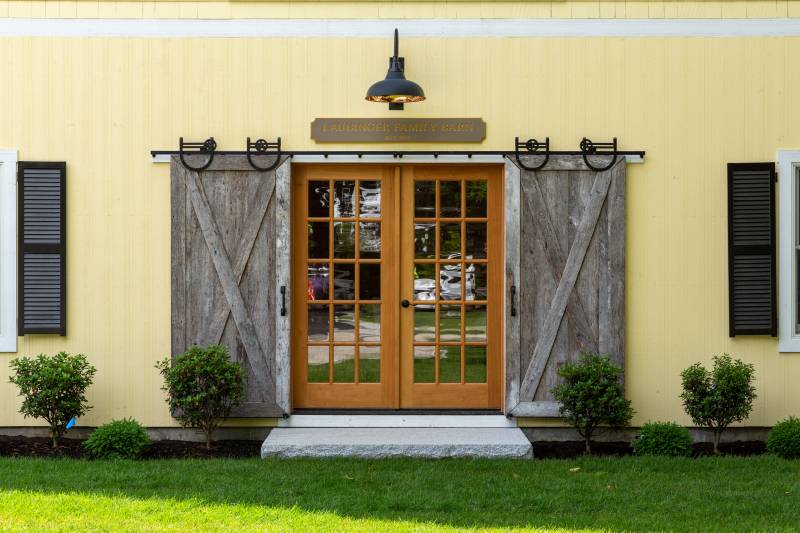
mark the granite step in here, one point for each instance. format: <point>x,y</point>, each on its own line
<point>396,442</point>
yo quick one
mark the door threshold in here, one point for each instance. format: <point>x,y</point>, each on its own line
<point>348,419</point>
<point>397,412</point>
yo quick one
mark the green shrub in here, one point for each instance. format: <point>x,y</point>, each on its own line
<point>717,398</point>
<point>784,439</point>
<point>119,439</point>
<point>202,386</point>
<point>663,438</point>
<point>592,395</point>
<point>53,388</point>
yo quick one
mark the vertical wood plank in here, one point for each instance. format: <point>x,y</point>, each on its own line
<point>512,322</point>
<point>615,304</point>
<point>178,194</point>
<point>557,189</point>
<point>283,281</point>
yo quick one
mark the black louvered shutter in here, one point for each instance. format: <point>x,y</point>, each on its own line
<point>751,249</point>
<point>42,247</point>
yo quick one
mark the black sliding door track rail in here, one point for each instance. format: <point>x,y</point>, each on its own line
<point>399,154</point>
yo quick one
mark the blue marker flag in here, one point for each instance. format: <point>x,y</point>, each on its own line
<point>71,423</point>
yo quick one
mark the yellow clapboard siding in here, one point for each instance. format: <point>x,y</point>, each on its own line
<point>693,104</point>
<point>193,9</point>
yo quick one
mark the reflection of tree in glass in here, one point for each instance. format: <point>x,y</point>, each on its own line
<point>450,240</point>
<point>476,198</point>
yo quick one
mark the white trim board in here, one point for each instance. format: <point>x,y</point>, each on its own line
<point>8,251</point>
<point>788,164</point>
<point>427,159</point>
<point>397,421</point>
<point>46,27</point>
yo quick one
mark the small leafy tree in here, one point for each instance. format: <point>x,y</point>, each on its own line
<point>53,388</point>
<point>717,398</point>
<point>592,395</point>
<point>202,386</point>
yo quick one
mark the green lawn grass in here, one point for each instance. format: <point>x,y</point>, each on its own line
<point>605,494</point>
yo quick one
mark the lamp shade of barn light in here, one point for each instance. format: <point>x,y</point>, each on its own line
<point>395,89</point>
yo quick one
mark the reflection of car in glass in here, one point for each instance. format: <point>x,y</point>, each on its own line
<point>317,283</point>
<point>449,284</point>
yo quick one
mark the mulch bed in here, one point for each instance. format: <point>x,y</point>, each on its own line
<point>179,449</point>
<point>159,449</point>
<point>569,450</point>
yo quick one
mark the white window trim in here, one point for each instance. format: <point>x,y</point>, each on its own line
<point>788,164</point>
<point>8,251</point>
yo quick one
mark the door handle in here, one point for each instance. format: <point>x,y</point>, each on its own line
<point>406,303</point>
<point>513,290</point>
<point>283,300</point>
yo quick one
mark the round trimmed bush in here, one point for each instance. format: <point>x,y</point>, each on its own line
<point>663,438</point>
<point>784,439</point>
<point>119,439</point>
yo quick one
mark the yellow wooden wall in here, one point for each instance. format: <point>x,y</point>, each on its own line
<point>401,9</point>
<point>693,103</point>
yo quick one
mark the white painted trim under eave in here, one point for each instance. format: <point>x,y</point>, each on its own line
<point>716,27</point>
<point>426,159</point>
<point>788,162</point>
<point>8,251</point>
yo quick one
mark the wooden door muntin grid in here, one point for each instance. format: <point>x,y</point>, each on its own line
<point>344,386</point>
<point>417,389</point>
<point>397,388</point>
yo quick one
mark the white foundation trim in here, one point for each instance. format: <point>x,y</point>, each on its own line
<point>397,421</point>
<point>367,158</point>
<point>8,251</point>
<point>788,165</point>
<point>44,27</point>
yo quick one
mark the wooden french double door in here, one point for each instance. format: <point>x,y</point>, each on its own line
<point>397,291</point>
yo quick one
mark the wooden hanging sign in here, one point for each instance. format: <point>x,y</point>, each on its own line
<point>410,130</point>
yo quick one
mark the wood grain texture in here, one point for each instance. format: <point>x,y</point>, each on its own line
<point>512,267</point>
<point>554,241</point>
<point>538,409</point>
<point>567,307</point>
<point>228,212</point>
<point>283,279</point>
<point>577,253</point>
<point>227,278</point>
<point>260,204</point>
<point>178,252</point>
<point>613,344</point>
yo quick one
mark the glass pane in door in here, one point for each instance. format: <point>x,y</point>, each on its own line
<point>343,268</point>
<point>451,270</point>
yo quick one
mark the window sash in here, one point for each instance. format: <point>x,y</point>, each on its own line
<point>789,251</point>
<point>8,251</point>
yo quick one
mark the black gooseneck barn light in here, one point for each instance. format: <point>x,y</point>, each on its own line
<point>395,89</point>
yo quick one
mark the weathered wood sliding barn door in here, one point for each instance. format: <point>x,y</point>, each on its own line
<point>230,263</point>
<point>565,259</point>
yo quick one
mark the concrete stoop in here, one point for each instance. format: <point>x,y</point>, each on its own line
<point>396,442</point>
